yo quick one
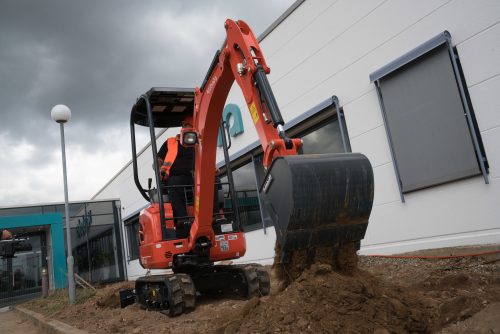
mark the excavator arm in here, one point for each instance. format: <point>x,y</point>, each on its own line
<point>313,200</point>
<point>240,60</point>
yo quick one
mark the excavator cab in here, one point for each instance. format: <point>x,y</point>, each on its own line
<point>161,108</point>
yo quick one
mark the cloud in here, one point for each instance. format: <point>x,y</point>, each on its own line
<point>96,57</point>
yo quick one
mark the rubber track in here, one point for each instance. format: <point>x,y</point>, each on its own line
<point>252,280</point>
<point>264,280</point>
<point>189,292</point>
<point>175,297</point>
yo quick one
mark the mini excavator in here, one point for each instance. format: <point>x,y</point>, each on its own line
<point>315,201</point>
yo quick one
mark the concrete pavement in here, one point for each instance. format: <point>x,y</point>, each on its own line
<point>12,323</point>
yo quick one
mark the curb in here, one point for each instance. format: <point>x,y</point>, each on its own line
<point>47,326</point>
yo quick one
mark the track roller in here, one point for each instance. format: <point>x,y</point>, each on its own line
<point>264,280</point>
<point>229,281</point>
<point>176,294</point>
<point>252,281</point>
<point>189,291</point>
<point>170,294</point>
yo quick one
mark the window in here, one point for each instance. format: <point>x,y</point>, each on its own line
<point>325,138</point>
<point>132,227</point>
<point>320,131</point>
<point>428,117</point>
<point>247,201</point>
<point>321,134</point>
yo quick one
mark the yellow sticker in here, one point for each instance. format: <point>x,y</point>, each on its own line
<point>197,204</point>
<point>254,113</point>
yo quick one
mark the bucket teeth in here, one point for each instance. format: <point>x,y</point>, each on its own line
<point>320,205</point>
<point>342,258</point>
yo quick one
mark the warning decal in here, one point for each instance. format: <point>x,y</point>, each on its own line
<point>224,245</point>
<point>254,112</point>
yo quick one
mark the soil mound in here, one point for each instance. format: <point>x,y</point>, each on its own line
<point>382,296</point>
<point>342,259</point>
<point>109,297</point>
<point>322,300</point>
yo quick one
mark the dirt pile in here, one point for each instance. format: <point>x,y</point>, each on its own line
<point>384,295</point>
<point>322,300</point>
<point>109,297</point>
<point>341,259</point>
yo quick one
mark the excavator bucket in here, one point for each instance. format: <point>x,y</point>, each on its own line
<point>318,200</point>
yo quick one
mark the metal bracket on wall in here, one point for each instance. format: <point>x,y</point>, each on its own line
<point>389,139</point>
<point>465,103</point>
<point>341,119</point>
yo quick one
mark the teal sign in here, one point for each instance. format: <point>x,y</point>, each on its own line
<point>231,110</point>
<point>84,224</point>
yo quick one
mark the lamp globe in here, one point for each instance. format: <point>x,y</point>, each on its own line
<point>60,113</point>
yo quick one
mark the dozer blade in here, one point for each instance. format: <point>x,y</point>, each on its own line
<point>318,200</point>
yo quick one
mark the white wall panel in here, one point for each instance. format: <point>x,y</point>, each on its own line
<point>438,211</point>
<point>299,20</point>
<point>352,80</point>
<point>465,18</point>
<point>491,141</point>
<point>480,55</point>
<point>363,114</point>
<point>485,98</point>
<point>378,154</point>
<point>483,237</point>
<point>374,29</point>
<point>312,41</point>
<point>386,187</point>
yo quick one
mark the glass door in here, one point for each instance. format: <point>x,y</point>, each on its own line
<point>21,275</point>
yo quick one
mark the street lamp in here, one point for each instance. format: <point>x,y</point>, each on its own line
<point>61,114</point>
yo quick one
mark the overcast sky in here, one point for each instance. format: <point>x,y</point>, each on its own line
<point>96,57</point>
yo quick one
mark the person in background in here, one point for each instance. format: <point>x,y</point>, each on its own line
<point>5,234</point>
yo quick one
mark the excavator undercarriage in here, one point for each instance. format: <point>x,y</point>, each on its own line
<point>176,293</point>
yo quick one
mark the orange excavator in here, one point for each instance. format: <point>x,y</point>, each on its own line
<point>315,201</point>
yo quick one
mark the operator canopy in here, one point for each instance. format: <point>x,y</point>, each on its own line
<point>169,106</point>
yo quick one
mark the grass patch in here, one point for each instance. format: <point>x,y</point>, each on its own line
<point>56,301</point>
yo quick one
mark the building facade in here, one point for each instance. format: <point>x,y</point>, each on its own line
<point>96,232</point>
<point>412,85</point>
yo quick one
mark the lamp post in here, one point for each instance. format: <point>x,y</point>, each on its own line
<point>61,114</point>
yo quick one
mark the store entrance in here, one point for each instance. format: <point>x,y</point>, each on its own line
<point>20,277</point>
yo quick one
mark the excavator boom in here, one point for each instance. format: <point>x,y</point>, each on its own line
<point>313,200</point>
